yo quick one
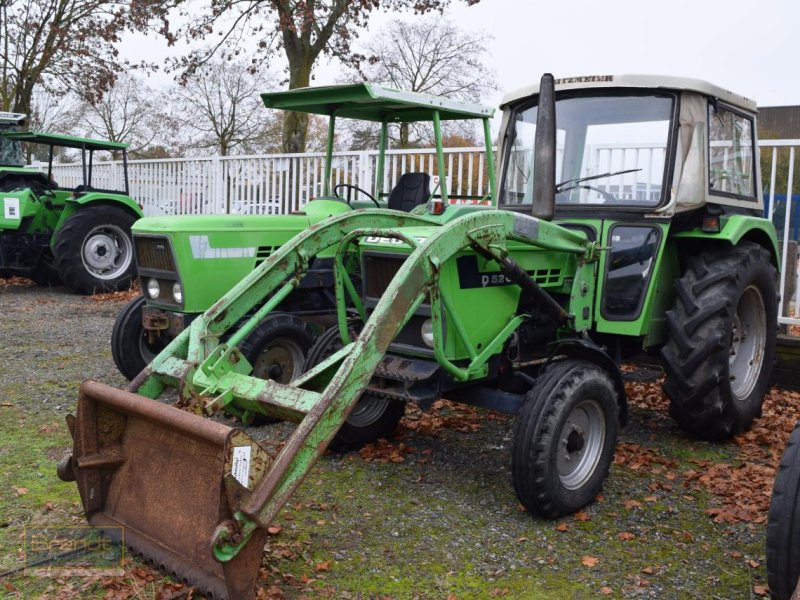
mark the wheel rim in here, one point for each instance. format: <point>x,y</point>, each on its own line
<point>580,444</point>
<point>281,361</point>
<point>748,341</point>
<point>368,410</point>
<point>106,252</point>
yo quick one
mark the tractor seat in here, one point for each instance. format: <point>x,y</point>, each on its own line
<point>412,189</point>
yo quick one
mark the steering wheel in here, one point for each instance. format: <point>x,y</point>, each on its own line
<point>352,187</point>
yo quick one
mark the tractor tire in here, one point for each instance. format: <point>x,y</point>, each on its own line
<point>277,349</point>
<point>721,346</point>
<point>564,438</point>
<point>94,249</point>
<point>371,419</point>
<point>130,347</point>
<point>783,528</point>
<point>44,273</point>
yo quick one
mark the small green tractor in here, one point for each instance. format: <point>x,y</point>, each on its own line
<point>76,235</point>
<point>187,263</point>
<point>624,218</point>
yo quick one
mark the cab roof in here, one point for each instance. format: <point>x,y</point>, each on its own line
<point>638,81</point>
<point>373,102</point>
<point>63,141</point>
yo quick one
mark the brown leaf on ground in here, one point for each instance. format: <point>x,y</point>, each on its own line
<point>626,536</point>
<point>582,515</point>
<point>589,561</point>
<point>323,566</point>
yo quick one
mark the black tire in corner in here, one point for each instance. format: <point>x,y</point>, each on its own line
<point>564,438</point>
<point>93,249</point>
<point>783,528</point>
<point>131,347</point>
<point>721,347</point>
<point>372,418</point>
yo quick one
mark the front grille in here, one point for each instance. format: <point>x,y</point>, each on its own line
<point>379,270</point>
<point>263,253</point>
<point>154,253</point>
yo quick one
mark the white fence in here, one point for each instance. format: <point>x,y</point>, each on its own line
<point>281,183</point>
<point>267,184</point>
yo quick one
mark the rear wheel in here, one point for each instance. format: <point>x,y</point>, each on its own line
<point>721,346</point>
<point>277,350</point>
<point>372,418</point>
<point>131,345</point>
<point>783,529</point>
<point>94,250</point>
<point>564,438</point>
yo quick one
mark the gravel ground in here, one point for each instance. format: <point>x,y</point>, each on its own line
<point>441,523</point>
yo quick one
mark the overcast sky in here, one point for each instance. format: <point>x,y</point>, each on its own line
<point>750,48</point>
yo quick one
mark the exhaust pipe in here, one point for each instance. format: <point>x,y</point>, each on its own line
<point>544,154</point>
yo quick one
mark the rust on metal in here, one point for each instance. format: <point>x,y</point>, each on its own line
<point>165,486</point>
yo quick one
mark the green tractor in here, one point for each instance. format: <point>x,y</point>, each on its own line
<point>80,235</point>
<point>187,263</point>
<point>626,218</point>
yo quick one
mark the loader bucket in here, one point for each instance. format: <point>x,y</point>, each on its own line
<point>168,478</point>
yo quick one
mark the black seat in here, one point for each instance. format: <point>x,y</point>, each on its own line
<point>412,189</point>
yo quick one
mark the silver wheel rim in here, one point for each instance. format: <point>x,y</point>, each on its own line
<point>106,252</point>
<point>368,410</point>
<point>580,444</point>
<point>281,360</point>
<point>748,341</point>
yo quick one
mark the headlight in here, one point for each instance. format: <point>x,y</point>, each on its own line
<point>153,288</point>
<point>426,331</point>
<point>177,293</point>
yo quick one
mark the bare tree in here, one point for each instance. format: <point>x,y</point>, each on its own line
<point>303,29</point>
<point>221,105</point>
<point>57,44</point>
<point>131,112</point>
<point>430,56</point>
<point>52,113</point>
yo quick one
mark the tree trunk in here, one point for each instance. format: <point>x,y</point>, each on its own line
<point>404,135</point>
<point>295,125</point>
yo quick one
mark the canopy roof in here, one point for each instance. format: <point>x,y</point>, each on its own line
<point>63,141</point>
<point>373,102</point>
<point>638,81</point>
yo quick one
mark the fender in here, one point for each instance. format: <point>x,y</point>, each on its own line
<point>585,349</point>
<point>72,204</point>
<point>736,228</point>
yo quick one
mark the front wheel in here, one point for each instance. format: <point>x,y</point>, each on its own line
<point>721,348</point>
<point>372,418</point>
<point>564,438</point>
<point>783,529</point>
<point>131,345</point>
<point>93,249</point>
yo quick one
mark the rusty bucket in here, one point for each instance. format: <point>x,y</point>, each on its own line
<point>169,479</point>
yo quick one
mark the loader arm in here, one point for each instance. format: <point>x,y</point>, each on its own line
<point>252,486</point>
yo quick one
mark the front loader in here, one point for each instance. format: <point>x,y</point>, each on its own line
<point>501,308</point>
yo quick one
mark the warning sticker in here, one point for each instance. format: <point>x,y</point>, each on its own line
<point>241,465</point>
<point>11,208</point>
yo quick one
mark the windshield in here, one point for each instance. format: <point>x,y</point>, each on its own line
<point>610,150</point>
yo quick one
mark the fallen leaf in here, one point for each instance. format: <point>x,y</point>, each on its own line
<point>605,590</point>
<point>626,536</point>
<point>323,566</point>
<point>761,590</point>
<point>274,529</point>
<point>21,491</point>
<point>589,561</point>
<point>582,516</point>
<point>753,563</point>
<point>650,499</point>
<point>562,527</point>
<point>631,504</point>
